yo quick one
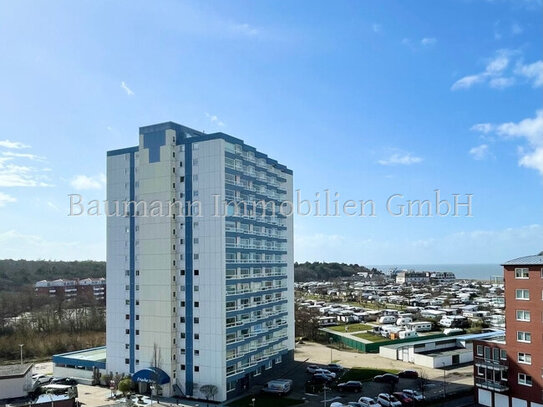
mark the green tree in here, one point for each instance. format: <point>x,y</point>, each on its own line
<point>125,386</point>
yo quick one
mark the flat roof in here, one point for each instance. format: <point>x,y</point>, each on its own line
<point>94,357</point>
<point>18,370</point>
<point>469,337</point>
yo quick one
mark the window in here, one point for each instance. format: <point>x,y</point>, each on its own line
<point>196,304</point>
<point>127,302</point>
<point>182,335</point>
<point>525,358</point>
<point>137,317</point>
<point>197,256</point>
<point>127,331</point>
<point>126,346</point>
<point>127,361</point>
<point>522,294</point>
<point>196,320</point>
<point>182,367</point>
<point>182,320</point>
<point>524,379</point>
<point>479,350</point>
<point>196,368</point>
<point>524,336</point>
<point>196,336</point>
<point>522,273</point>
<point>182,351</point>
<point>181,179</point>
<point>182,272</point>
<point>196,240</point>
<point>182,303</point>
<point>196,352</point>
<point>503,354</point>
<point>523,315</point>
<point>127,272</point>
<point>480,371</point>
<point>195,161</point>
<point>137,272</point>
<point>137,331</point>
<point>196,272</point>
<point>137,347</point>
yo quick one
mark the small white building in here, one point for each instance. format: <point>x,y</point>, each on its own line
<point>15,381</point>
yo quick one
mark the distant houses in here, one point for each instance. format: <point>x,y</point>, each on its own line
<point>424,277</point>
<point>73,288</point>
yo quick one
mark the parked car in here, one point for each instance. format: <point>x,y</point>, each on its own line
<point>413,394</point>
<point>43,380</point>
<point>334,367</point>
<point>405,400</point>
<point>64,380</point>
<point>386,378</point>
<point>325,372</point>
<point>409,374</point>
<point>351,385</point>
<point>367,402</point>
<point>388,400</point>
<point>320,378</point>
<point>311,368</point>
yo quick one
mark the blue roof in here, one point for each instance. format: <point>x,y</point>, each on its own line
<point>151,375</point>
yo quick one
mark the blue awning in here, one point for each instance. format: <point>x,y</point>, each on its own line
<point>151,375</point>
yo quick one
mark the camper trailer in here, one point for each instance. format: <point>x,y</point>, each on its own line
<point>387,319</point>
<point>420,326</point>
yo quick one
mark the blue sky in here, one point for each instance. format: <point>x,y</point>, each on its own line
<point>367,99</point>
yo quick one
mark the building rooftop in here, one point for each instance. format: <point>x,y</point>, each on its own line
<point>8,371</point>
<point>94,357</point>
<point>534,260</point>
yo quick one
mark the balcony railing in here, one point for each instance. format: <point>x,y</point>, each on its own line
<point>491,363</point>
<point>491,385</point>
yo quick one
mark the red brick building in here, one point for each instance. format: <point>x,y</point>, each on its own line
<point>509,372</point>
<point>85,287</point>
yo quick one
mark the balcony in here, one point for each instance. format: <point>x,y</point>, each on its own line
<point>499,387</point>
<point>501,365</point>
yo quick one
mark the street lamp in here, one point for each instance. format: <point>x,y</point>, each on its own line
<point>21,346</point>
<point>253,401</point>
<point>324,388</point>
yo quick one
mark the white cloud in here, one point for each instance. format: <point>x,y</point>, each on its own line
<point>13,175</point>
<point>529,129</point>
<point>428,41</point>
<point>493,73</point>
<point>415,45</point>
<point>125,87</point>
<point>244,29</point>
<point>400,159</point>
<point>482,127</point>
<point>501,82</point>
<point>214,119</point>
<point>377,28</point>
<point>13,144</point>
<point>532,71</point>
<point>23,155</point>
<point>82,182</point>
<point>467,82</point>
<point>516,29</point>
<point>5,199</point>
<point>498,73</point>
<point>479,152</point>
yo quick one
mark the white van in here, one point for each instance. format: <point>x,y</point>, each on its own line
<point>387,319</point>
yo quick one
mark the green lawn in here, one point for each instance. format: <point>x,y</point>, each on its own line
<point>262,400</point>
<point>364,374</point>
<point>371,337</point>
<point>351,327</point>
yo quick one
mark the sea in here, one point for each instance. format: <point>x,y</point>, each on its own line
<point>485,272</point>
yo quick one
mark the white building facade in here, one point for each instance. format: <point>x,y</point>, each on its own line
<point>200,265</point>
